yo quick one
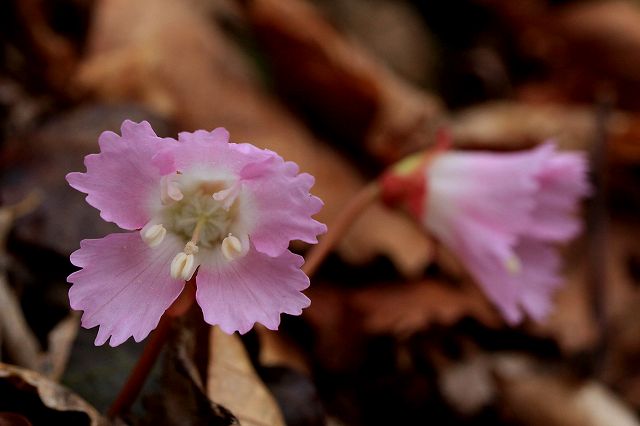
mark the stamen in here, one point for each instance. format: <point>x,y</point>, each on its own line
<point>153,235</point>
<point>513,265</point>
<point>183,266</point>
<point>232,248</point>
<point>228,196</point>
<point>169,190</point>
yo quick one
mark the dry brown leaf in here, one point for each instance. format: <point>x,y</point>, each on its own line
<point>588,47</point>
<point>380,26</point>
<point>276,349</point>
<point>353,95</point>
<point>404,309</point>
<point>517,125</point>
<point>338,329</point>
<point>57,54</point>
<point>60,341</point>
<point>571,324</point>
<point>233,382</point>
<point>43,401</point>
<point>175,62</point>
<point>15,335</point>
<point>551,401</point>
<point>608,31</point>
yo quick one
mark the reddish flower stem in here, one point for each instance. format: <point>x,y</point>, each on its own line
<point>352,211</point>
<point>152,349</point>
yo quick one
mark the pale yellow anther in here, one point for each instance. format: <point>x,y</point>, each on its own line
<point>513,265</point>
<point>231,248</point>
<point>227,196</point>
<point>183,266</point>
<point>153,235</point>
<point>169,190</point>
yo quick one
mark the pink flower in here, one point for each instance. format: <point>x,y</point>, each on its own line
<point>500,214</point>
<point>199,203</point>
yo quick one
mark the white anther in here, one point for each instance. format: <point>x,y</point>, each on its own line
<point>191,248</point>
<point>183,266</point>
<point>231,248</point>
<point>513,265</point>
<point>169,190</point>
<point>228,196</point>
<point>153,235</point>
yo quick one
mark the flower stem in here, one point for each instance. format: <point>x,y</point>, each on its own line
<point>352,211</point>
<point>152,349</point>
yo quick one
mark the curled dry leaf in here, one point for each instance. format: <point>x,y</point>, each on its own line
<point>535,400</point>
<point>380,26</point>
<point>517,125</point>
<point>586,46</point>
<point>56,54</point>
<point>572,323</point>
<point>354,96</point>
<point>277,350</point>
<point>42,401</point>
<point>404,309</point>
<point>183,398</point>
<point>211,86</point>
<point>233,382</point>
<point>514,125</point>
<point>15,335</point>
<point>60,342</point>
<point>343,320</point>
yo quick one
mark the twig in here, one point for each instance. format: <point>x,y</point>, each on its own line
<point>152,349</point>
<point>18,340</point>
<point>352,211</point>
<point>597,222</point>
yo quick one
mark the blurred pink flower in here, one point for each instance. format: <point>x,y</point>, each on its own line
<point>500,214</point>
<point>199,203</point>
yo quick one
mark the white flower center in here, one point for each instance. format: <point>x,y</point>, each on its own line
<point>208,214</point>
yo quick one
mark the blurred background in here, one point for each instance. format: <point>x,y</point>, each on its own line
<point>397,333</point>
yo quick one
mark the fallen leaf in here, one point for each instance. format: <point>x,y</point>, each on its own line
<point>404,309</point>
<point>42,401</point>
<point>354,97</point>
<point>548,400</point>
<point>277,350</point>
<point>183,398</point>
<point>233,382</point>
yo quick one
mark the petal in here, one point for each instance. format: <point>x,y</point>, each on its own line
<point>124,286</point>
<point>121,180</point>
<point>212,151</point>
<point>284,208</point>
<point>539,278</point>
<point>497,190</point>
<point>563,182</point>
<point>486,255</point>
<point>529,289</point>
<point>255,288</point>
